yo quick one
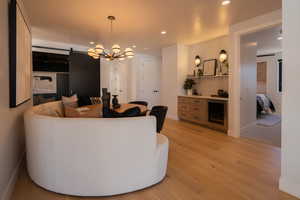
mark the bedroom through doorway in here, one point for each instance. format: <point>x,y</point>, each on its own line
<point>261,85</point>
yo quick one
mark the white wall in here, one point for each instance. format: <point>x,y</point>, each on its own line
<point>174,71</point>
<point>182,67</point>
<point>248,82</point>
<point>11,120</point>
<point>169,85</point>
<point>178,62</point>
<point>272,79</point>
<point>130,73</point>
<point>290,167</point>
<point>208,50</point>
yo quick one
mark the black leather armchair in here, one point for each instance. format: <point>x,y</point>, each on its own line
<point>160,113</point>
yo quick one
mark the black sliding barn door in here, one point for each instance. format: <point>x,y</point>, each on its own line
<point>84,75</point>
<point>62,82</point>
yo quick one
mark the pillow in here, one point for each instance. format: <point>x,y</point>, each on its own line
<point>84,101</point>
<point>70,101</point>
<point>51,112</point>
<point>264,104</point>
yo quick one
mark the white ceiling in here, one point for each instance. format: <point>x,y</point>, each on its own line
<point>267,40</point>
<point>139,22</point>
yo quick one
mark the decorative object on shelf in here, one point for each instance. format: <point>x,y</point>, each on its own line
<point>188,86</point>
<point>200,72</point>
<point>115,102</point>
<point>209,67</point>
<point>195,92</point>
<point>100,52</point>
<point>223,58</point>
<point>223,93</point>
<point>216,77</point>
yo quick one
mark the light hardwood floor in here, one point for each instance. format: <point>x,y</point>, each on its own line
<point>203,165</point>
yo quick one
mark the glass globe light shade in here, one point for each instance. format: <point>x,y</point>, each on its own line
<point>96,56</point>
<point>223,56</point>
<point>197,60</point>
<point>130,56</point>
<point>129,52</point>
<point>99,49</point>
<point>116,48</point>
<point>91,52</point>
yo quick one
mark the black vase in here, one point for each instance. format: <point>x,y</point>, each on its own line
<point>115,102</point>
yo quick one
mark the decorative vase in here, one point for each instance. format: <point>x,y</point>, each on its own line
<point>189,92</point>
<point>115,102</point>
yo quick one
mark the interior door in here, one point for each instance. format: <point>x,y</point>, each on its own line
<point>118,80</point>
<point>148,88</point>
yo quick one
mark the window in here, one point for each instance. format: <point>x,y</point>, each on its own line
<point>280,75</point>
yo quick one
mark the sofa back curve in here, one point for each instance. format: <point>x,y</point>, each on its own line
<point>64,146</point>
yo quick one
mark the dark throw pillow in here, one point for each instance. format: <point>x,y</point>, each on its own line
<point>84,101</point>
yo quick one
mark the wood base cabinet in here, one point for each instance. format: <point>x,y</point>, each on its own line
<point>196,110</point>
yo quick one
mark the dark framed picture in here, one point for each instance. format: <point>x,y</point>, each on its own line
<point>20,55</point>
<point>209,67</point>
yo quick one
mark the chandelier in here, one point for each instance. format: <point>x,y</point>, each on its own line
<point>99,52</point>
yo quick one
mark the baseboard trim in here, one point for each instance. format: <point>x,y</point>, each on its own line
<point>12,181</point>
<point>289,187</point>
<point>173,117</point>
<point>231,134</point>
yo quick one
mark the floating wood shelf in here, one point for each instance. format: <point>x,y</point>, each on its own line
<point>205,77</point>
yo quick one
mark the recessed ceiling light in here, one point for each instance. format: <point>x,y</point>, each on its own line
<point>92,43</point>
<point>163,32</point>
<point>251,44</point>
<point>226,2</point>
<point>133,46</point>
<point>280,38</point>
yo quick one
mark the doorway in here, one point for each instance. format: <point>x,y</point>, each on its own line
<point>235,33</point>
<point>260,97</point>
<point>118,80</point>
<point>134,79</point>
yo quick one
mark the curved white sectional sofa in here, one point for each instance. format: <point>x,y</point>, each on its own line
<point>93,156</point>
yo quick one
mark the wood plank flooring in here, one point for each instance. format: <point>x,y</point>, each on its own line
<point>203,165</point>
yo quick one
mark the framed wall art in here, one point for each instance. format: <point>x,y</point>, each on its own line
<point>20,61</point>
<point>209,67</point>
